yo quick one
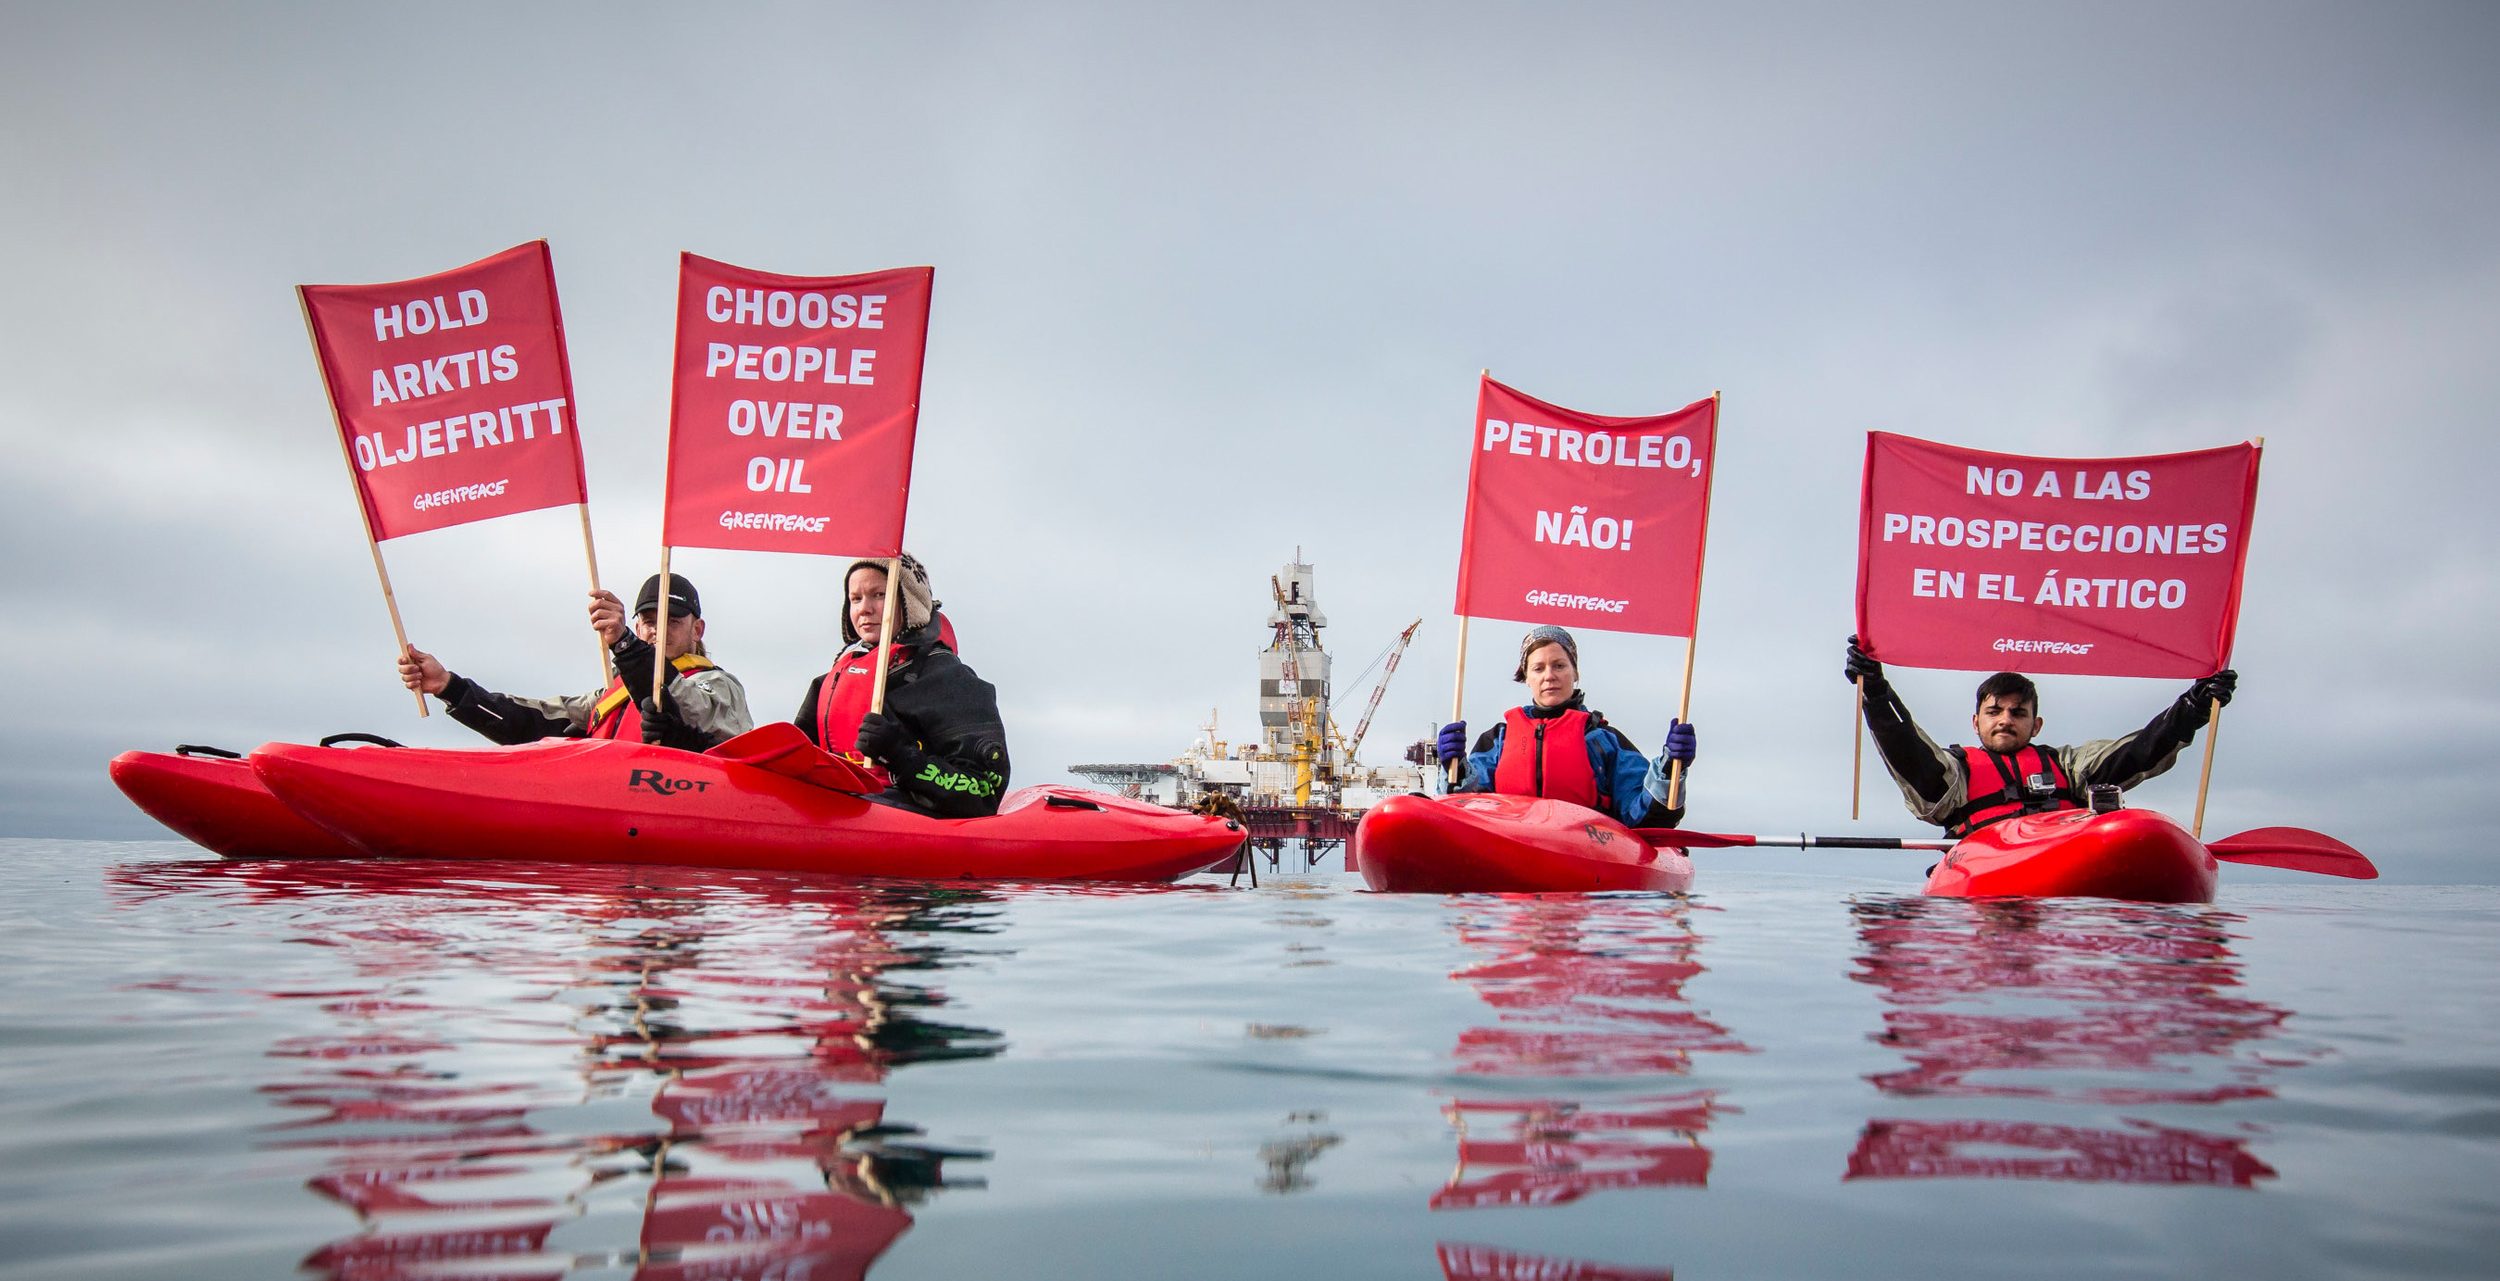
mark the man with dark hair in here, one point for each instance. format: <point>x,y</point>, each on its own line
<point>1964,788</point>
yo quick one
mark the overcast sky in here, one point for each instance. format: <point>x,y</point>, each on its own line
<point>1214,284</point>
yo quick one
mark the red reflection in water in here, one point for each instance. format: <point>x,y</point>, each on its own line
<point>2105,1005</point>
<point>1486,1263</point>
<point>545,1048</point>
<point>1582,987</point>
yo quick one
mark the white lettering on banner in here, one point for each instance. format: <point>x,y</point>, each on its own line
<point>2212,538</point>
<point>460,494</point>
<point>782,308</point>
<point>791,420</point>
<point>2006,482</point>
<point>776,522</point>
<point>2065,593</point>
<point>778,476</point>
<point>1576,530</point>
<point>1568,600</point>
<point>752,363</point>
<point>458,371</point>
<point>425,315</point>
<point>1592,448</point>
<point>2008,645</point>
<point>454,432</point>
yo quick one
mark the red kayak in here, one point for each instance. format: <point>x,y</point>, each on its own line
<point>1485,842</point>
<point>766,800</point>
<point>216,801</point>
<point>2124,854</point>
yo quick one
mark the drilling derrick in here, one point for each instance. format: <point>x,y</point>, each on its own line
<point>1293,684</point>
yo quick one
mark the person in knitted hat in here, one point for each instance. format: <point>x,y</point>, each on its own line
<point>1553,746</point>
<point>700,706</point>
<point>938,745</point>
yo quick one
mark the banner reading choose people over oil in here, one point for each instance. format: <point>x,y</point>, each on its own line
<point>796,402</point>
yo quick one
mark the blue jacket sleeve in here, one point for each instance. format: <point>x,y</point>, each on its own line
<point>1626,772</point>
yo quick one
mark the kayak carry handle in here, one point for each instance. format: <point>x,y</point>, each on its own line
<point>375,739</point>
<point>1058,802</point>
<point>195,749</point>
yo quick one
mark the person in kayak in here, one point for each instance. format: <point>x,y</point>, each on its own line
<point>701,706</point>
<point>939,745</point>
<point>1962,788</point>
<point>1554,746</point>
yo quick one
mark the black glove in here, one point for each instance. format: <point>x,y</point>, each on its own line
<point>1859,665</point>
<point>883,738</point>
<point>2214,689</point>
<point>659,720</point>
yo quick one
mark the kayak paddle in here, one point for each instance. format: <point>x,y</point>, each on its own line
<point>2295,848</point>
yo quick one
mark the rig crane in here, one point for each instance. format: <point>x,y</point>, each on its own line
<point>1355,744</point>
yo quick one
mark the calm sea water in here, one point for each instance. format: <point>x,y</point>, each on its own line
<point>370,1071</point>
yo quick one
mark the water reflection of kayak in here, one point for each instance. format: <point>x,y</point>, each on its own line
<point>1489,842</point>
<point>2123,854</point>
<point>598,801</point>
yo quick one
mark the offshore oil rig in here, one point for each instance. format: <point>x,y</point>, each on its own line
<point>1301,782</point>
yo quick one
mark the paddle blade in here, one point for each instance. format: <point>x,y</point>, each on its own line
<point>1668,838</point>
<point>2296,848</point>
<point>782,748</point>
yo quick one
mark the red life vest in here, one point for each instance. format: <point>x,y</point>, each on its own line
<point>1548,756</point>
<point>2029,781</point>
<point>842,701</point>
<point>616,716</point>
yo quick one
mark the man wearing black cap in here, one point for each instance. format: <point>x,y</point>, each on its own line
<point>700,707</point>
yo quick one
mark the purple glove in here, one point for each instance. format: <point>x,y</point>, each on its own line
<point>1453,743</point>
<point>1680,743</point>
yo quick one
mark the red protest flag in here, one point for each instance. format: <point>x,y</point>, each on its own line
<point>1980,561</point>
<point>1586,520</point>
<point>795,406</point>
<point>453,395</point>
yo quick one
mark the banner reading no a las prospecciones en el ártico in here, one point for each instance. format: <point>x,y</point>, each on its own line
<point>1979,561</point>
<point>796,403</point>
<point>452,392</point>
<point>1585,520</point>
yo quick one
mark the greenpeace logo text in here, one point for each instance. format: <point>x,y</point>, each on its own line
<point>2008,645</point>
<point>651,780</point>
<point>1566,600</point>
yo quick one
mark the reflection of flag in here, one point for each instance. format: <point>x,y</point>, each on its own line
<point>453,396</point>
<point>2065,1153</point>
<point>794,409</point>
<point>1486,1263</point>
<point>2084,566</point>
<point>1585,520</point>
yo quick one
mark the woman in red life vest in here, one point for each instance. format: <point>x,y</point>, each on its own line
<point>701,705</point>
<point>1963,788</point>
<point>1553,746</point>
<point>938,745</point>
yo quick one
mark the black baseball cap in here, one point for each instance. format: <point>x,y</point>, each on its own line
<point>682,600</point>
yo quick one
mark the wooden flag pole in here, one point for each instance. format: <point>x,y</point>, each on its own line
<point>372,544</point>
<point>1692,643</point>
<point>1458,703</point>
<point>885,634</point>
<point>2213,725</point>
<point>2213,730</point>
<point>607,665</point>
<point>1857,748</point>
<point>659,633</point>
